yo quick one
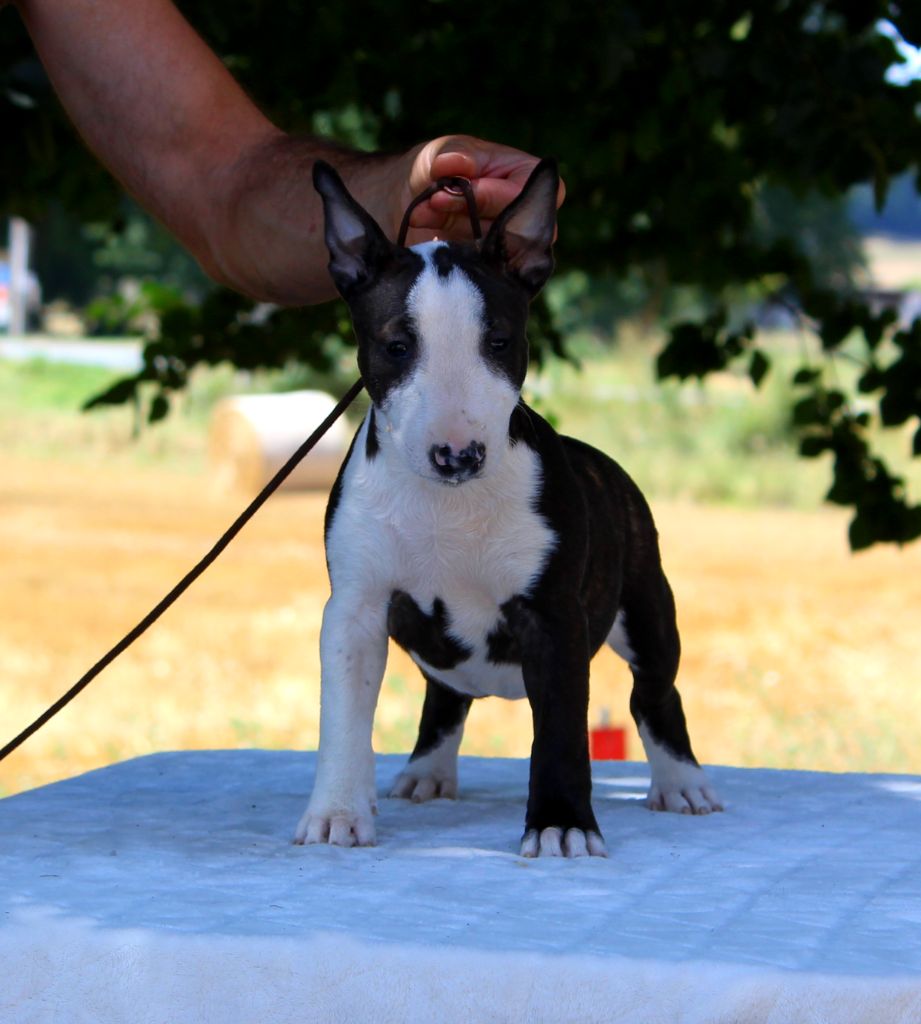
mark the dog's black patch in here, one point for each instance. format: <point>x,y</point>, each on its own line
<point>424,635</point>
<point>335,493</point>
<point>442,712</point>
<point>444,260</point>
<point>372,445</point>
<point>387,344</point>
<point>520,427</point>
<point>501,646</point>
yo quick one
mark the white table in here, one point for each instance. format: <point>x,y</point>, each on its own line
<point>166,889</point>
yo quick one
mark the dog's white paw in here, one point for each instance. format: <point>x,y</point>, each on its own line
<point>678,785</point>
<point>421,786</point>
<point>336,826</point>
<point>553,842</point>
<point>694,796</point>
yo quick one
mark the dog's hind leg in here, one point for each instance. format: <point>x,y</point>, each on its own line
<point>645,635</point>
<point>432,767</point>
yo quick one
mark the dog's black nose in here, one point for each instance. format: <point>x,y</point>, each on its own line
<point>457,466</point>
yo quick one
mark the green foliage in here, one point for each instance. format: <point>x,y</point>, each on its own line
<point>85,262</point>
<point>136,246</point>
<point>681,128</point>
<point>225,328</point>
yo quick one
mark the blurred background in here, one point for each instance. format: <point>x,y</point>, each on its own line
<point>734,319</point>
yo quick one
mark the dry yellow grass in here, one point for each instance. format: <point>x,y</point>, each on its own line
<point>797,654</point>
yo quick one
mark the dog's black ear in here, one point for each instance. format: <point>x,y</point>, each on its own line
<point>520,240</point>
<point>358,248</point>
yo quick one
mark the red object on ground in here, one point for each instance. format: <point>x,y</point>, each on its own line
<point>608,743</point>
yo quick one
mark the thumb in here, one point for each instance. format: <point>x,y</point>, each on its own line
<point>454,162</point>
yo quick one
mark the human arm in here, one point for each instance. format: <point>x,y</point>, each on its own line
<point>165,116</point>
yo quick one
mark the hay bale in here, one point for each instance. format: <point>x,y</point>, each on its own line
<point>251,436</point>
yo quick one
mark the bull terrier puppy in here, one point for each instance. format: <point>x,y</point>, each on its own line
<point>499,554</point>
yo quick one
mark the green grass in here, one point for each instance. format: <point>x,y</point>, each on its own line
<point>40,417</point>
<point>38,386</point>
<point>724,441</point>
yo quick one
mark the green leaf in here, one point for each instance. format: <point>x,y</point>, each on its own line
<point>834,400</point>
<point>806,375</point>
<point>895,407</point>
<point>121,391</point>
<point>809,411</point>
<point>814,445</point>
<point>861,533</point>
<point>159,408</point>
<point>849,480</point>
<point>695,349</point>
<point>837,326</point>
<point>872,379</point>
<point>875,327</point>
<point>912,524</point>
<point>758,367</point>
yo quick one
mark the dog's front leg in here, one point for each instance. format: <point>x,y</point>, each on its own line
<point>353,654</point>
<point>553,638</point>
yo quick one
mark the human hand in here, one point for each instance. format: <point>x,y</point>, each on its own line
<point>496,172</point>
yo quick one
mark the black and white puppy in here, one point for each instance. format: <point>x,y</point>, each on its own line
<point>498,553</point>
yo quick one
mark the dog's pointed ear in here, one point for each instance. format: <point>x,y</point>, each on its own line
<point>358,248</point>
<point>520,240</point>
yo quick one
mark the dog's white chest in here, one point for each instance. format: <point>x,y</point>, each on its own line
<point>460,552</point>
<point>472,546</point>
<point>479,677</point>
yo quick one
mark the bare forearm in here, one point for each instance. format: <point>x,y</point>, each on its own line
<point>164,115</point>
<point>271,230</point>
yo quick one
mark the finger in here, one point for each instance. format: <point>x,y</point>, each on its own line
<point>455,163</point>
<point>496,182</point>
<point>492,195</point>
<point>476,158</point>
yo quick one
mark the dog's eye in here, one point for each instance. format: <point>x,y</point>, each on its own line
<point>499,342</point>
<point>397,349</point>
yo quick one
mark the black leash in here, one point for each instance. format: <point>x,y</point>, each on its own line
<point>457,186</point>
<point>454,185</point>
<point>190,577</point>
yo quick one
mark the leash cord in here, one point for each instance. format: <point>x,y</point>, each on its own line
<point>454,185</point>
<point>191,576</point>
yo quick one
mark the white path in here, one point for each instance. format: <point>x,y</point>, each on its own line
<point>166,890</point>
<point>114,355</point>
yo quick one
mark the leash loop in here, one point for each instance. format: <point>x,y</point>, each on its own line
<point>454,185</point>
